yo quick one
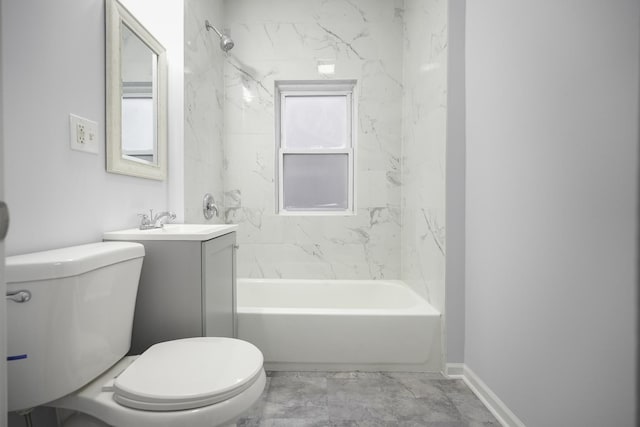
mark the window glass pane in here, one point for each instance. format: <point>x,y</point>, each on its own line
<point>136,138</point>
<point>315,121</point>
<point>315,181</point>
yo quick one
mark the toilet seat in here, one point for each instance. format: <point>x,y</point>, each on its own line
<point>188,373</point>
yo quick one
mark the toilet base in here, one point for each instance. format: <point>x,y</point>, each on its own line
<point>96,401</point>
<point>82,420</point>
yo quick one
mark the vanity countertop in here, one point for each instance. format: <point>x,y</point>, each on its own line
<point>199,232</point>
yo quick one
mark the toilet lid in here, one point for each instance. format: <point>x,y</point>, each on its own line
<point>188,373</point>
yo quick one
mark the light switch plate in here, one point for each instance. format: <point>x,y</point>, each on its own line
<point>83,134</point>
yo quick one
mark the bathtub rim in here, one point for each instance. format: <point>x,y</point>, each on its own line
<point>423,308</point>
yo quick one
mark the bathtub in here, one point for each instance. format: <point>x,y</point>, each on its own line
<point>339,325</point>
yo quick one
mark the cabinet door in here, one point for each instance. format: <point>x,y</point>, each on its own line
<point>219,283</point>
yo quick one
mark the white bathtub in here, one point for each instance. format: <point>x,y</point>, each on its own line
<point>339,325</point>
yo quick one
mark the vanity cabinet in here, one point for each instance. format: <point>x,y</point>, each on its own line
<point>187,289</point>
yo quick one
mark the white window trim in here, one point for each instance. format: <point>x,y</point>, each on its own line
<point>284,89</point>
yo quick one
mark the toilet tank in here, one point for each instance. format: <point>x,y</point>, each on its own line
<point>77,322</point>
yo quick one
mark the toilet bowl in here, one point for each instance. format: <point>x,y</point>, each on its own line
<point>190,382</point>
<point>69,328</point>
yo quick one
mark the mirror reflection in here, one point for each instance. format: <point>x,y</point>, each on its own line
<point>139,100</point>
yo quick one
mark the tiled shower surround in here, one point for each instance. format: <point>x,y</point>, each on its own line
<point>283,40</point>
<point>396,50</point>
<point>424,119</point>
<point>204,109</point>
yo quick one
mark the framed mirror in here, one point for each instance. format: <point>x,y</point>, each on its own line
<point>136,69</point>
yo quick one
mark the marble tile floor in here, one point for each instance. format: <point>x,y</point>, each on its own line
<point>366,399</point>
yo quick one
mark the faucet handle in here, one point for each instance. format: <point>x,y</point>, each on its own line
<point>209,208</point>
<point>145,221</point>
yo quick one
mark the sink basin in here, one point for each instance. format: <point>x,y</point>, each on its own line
<point>200,232</point>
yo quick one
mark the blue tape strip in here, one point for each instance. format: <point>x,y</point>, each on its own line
<point>17,357</point>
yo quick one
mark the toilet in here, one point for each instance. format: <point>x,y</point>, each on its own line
<point>69,321</point>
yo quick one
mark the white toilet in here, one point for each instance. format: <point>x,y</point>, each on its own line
<point>69,322</point>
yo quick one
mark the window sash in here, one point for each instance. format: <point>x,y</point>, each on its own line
<point>349,108</point>
<point>314,211</point>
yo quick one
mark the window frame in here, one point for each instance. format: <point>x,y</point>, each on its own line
<point>292,88</point>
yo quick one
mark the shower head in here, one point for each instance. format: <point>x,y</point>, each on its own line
<point>226,44</point>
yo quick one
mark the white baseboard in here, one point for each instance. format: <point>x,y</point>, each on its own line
<point>454,370</point>
<point>493,403</point>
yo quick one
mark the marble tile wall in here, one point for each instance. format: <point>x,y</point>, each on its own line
<point>204,104</point>
<point>283,40</point>
<point>397,51</point>
<point>424,122</point>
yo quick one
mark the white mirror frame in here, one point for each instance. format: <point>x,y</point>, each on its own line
<point>116,16</point>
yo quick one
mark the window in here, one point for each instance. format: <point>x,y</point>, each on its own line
<point>138,109</point>
<point>315,141</point>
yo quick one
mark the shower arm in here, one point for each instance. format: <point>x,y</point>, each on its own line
<point>208,26</point>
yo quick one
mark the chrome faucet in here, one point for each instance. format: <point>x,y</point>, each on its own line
<point>157,220</point>
<point>150,221</point>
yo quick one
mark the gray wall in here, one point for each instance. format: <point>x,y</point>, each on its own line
<point>551,207</point>
<point>455,192</point>
<point>53,65</point>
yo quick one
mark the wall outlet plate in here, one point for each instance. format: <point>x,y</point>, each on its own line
<point>83,134</point>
